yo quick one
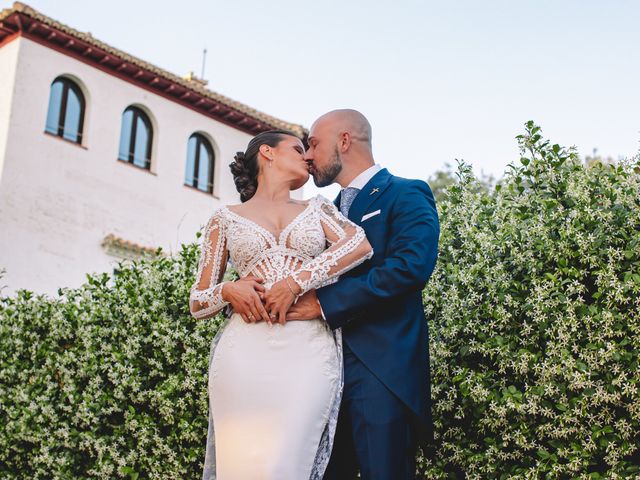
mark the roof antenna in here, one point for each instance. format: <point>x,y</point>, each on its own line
<point>204,58</point>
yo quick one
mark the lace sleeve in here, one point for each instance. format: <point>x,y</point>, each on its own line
<point>205,299</point>
<point>348,248</point>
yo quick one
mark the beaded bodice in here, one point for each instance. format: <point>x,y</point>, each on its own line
<point>314,248</point>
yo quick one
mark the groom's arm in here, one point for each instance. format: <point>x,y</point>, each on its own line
<point>413,244</point>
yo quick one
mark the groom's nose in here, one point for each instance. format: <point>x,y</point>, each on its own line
<point>308,157</point>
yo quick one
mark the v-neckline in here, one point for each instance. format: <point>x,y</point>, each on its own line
<point>276,239</point>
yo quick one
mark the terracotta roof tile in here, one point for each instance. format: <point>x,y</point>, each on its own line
<point>120,247</point>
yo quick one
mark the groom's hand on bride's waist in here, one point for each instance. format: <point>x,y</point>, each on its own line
<point>306,308</point>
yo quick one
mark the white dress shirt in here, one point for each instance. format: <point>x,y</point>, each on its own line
<point>361,180</point>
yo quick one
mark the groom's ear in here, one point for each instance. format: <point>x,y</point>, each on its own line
<point>345,141</point>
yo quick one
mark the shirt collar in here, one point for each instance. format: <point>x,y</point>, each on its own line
<point>361,180</point>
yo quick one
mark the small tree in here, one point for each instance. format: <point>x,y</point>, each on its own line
<point>441,180</point>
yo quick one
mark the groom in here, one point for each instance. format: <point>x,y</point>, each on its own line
<point>385,407</point>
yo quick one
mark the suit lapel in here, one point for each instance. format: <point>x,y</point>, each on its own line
<point>369,193</point>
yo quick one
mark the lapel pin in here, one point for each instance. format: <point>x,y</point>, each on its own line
<point>375,190</point>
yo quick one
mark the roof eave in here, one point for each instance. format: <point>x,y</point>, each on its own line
<point>22,20</point>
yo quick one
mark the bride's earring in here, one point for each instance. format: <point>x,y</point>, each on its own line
<point>270,162</point>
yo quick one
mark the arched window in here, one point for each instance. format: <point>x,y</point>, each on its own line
<point>200,163</point>
<point>65,117</point>
<point>135,138</point>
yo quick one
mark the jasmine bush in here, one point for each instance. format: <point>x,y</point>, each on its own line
<point>535,334</point>
<point>108,380</point>
<point>534,315</point>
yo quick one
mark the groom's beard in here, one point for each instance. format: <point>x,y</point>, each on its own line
<point>325,177</point>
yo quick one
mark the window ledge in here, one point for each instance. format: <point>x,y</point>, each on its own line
<point>137,167</point>
<point>191,187</point>
<point>71,142</point>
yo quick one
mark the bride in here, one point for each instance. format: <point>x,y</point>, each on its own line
<point>274,386</point>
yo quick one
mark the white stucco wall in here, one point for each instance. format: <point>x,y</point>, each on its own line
<point>8,61</point>
<point>58,200</point>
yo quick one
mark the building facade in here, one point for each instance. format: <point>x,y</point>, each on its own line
<point>102,155</point>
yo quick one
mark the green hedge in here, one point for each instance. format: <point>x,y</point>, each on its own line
<point>535,338</point>
<point>109,380</point>
<point>534,316</point>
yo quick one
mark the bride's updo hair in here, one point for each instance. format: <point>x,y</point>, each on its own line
<point>245,167</point>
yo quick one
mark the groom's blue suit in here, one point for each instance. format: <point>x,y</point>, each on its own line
<point>378,305</point>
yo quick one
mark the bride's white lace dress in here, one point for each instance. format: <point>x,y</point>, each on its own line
<point>274,391</point>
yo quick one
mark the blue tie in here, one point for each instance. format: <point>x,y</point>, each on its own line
<point>346,199</point>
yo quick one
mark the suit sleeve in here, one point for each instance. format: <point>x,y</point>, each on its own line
<point>349,248</point>
<point>413,244</point>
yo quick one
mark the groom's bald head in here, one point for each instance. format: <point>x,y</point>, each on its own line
<point>339,147</point>
<point>346,120</point>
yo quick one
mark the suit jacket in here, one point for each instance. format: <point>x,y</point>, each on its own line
<point>378,304</point>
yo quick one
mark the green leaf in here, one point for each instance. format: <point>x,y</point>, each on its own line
<point>543,454</point>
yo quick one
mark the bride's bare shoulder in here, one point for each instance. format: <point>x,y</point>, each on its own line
<point>303,202</point>
<point>233,208</point>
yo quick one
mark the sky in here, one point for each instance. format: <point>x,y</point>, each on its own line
<point>438,80</point>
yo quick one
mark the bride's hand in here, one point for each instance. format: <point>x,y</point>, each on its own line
<point>244,295</point>
<point>280,297</point>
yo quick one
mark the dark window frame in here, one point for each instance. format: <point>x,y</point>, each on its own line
<point>138,113</point>
<point>201,140</point>
<point>68,84</point>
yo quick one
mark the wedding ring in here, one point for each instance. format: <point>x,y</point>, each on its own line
<point>250,316</point>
